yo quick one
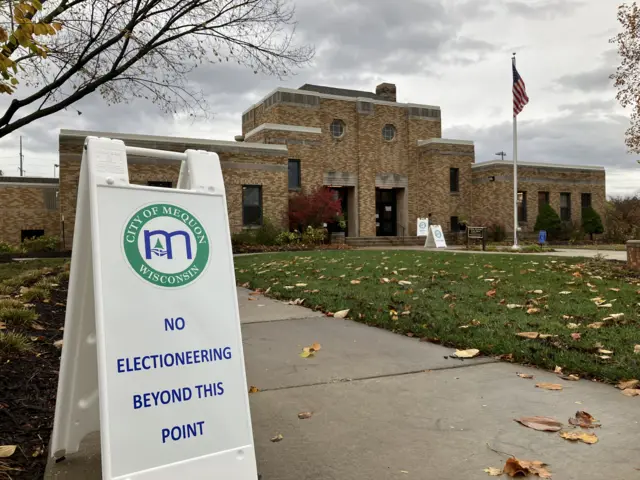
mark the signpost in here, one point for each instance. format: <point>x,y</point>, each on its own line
<point>152,352</point>
<point>423,227</point>
<point>435,239</point>
<point>477,233</point>
<point>542,237</point>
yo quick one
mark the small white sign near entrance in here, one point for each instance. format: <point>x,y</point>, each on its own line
<point>152,352</point>
<point>435,239</point>
<point>423,227</point>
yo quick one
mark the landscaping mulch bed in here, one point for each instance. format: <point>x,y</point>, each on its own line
<point>28,387</point>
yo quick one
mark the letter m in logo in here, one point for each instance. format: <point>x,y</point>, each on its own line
<point>161,250</point>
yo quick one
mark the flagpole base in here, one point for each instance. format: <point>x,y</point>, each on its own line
<point>515,247</point>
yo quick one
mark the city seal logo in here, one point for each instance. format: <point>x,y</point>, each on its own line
<point>166,245</point>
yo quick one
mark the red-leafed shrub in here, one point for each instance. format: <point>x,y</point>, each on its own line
<point>313,209</point>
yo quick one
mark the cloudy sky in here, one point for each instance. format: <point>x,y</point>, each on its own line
<point>455,54</point>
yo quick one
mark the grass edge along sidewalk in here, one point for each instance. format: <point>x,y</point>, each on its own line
<point>581,315</point>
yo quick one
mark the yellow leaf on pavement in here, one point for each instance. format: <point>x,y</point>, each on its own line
<point>628,384</point>
<point>304,415</point>
<point>549,386</point>
<point>341,314</point>
<point>543,424</point>
<point>493,472</point>
<point>253,389</point>
<point>589,438</point>
<point>631,392</point>
<point>470,353</point>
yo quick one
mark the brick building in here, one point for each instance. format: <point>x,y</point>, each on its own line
<point>386,160</point>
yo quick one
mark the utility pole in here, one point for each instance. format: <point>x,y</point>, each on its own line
<point>21,158</point>
<point>501,155</point>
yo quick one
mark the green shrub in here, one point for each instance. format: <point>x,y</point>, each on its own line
<point>17,317</point>
<point>36,294</point>
<point>549,221</point>
<point>8,248</point>
<point>11,342</point>
<point>591,222</point>
<point>267,233</point>
<point>287,238</point>
<point>10,303</point>
<point>44,243</point>
<point>314,236</point>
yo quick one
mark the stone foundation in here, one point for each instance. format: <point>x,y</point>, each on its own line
<point>633,254</point>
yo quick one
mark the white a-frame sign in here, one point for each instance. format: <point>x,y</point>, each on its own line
<point>152,354</point>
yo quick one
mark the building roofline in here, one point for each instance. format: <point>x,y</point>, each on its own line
<point>449,141</point>
<point>283,128</point>
<point>507,163</point>
<point>81,134</point>
<point>338,97</point>
<point>22,181</point>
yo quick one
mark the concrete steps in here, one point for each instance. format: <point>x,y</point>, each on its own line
<point>383,241</point>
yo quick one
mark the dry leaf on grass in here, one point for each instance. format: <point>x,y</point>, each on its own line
<point>404,282</point>
<point>565,293</point>
<point>522,468</point>
<point>584,437</point>
<point>7,450</point>
<point>605,305</point>
<point>341,314</point>
<point>575,336</point>
<point>304,415</point>
<point>573,325</point>
<point>511,306</point>
<point>3,325</point>
<point>628,384</point>
<point>525,375</point>
<point>543,424</point>
<point>533,310</point>
<point>614,289</point>
<point>631,392</point>
<point>636,349</point>
<point>584,420</point>
<point>355,282</point>
<point>253,389</point>
<point>491,293</point>
<point>595,325</point>
<point>549,386</point>
<point>470,353</point>
<point>277,438</point>
<point>530,335</point>
<point>605,352</point>
<point>301,285</point>
<point>494,472</point>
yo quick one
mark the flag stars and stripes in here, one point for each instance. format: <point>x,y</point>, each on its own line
<point>520,98</point>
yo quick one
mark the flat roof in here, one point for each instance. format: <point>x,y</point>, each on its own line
<point>82,134</point>
<point>509,163</point>
<point>338,97</point>
<point>30,180</point>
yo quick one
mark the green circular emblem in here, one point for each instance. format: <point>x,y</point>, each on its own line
<point>166,245</point>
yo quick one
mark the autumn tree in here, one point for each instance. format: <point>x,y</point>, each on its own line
<point>627,75</point>
<point>313,209</point>
<point>61,51</point>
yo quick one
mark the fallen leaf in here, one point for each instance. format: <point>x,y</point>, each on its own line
<point>384,280</point>
<point>575,336</point>
<point>584,420</point>
<point>636,349</point>
<point>301,284</point>
<point>530,335</point>
<point>304,415</point>
<point>525,375</point>
<point>605,305</point>
<point>589,438</point>
<point>3,325</point>
<point>605,352</point>
<point>533,310</point>
<point>538,292</point>
<point>37,326</point>
<point>7,450</point>
<point>341,314</point>
<point>628,384</point>
<point>631,392</point>
<point>58,343</point>
<point>604,357</point>
<point>616,316</point>
<point>355,282</point>
<point>565,293</point>
<point>277,438</point>
<point>557,369</point>
<point>307,352</point>
<point>595,325</point>
<point>253,389</point>
<point>404,282</point>
<point>577,275</point>
<point>511,306</point>
<point>491,293</point>
<point>572,325</point>
<point>470,353</point>
<point>614,289</point>
<point>570,378</point>
<point>494,472</point>
<point>518,468</point>
<point>316,347</point>
<point>544,336</point>
<point>549,386</point>
<point>543,424</point>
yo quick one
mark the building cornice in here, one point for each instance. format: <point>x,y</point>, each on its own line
<point>444,141</point>
<point>339,97</point>
<point>509,164</point>
<point>283,128</point>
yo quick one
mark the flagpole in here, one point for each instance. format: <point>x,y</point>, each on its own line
<point>515,172</point>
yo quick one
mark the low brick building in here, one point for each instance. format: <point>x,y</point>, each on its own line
<point>386,160</point>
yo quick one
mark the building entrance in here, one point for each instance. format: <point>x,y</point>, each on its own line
<point>386,212</point>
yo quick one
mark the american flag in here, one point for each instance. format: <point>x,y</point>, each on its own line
<point>520,98</point>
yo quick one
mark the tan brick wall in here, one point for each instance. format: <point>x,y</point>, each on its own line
<point>274,184</point>
<point>24,208</point>
<point>493,201</point>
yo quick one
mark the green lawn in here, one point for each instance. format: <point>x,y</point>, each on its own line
<point>447,298</point>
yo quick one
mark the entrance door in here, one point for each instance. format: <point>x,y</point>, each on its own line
<point>386,218</point>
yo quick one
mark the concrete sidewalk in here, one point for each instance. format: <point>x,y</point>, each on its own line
<point>387,406</point>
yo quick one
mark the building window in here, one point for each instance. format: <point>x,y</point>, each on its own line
<point>160,183</point>
<point>337,129</point>
<point>565,206</point>
<point>585,200</point>
<point>455,224</point>
<point>251,205</point>
<point>543,199</point>
<point>522,207</point>
<point>294,175</point>
<point>50,198</point>
<point>388,132</point>
<point>454,179</point>
<point>29,234</point>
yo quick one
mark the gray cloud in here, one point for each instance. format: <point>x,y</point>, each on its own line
<point>542,9</point>
<point>594,79</point>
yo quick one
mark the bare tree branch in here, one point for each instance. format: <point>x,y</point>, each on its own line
<point>128,49</point>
